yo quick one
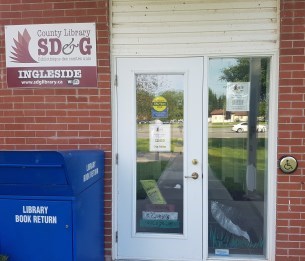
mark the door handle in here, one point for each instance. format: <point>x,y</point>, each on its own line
<point>193,176</point>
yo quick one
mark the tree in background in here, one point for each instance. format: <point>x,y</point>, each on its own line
<point>148,86</point>
<point>216,103</point>
<point>174,103</point>
<point>144,99</point>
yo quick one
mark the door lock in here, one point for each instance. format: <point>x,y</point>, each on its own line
<point>193,176</point>
<point>195,161</point>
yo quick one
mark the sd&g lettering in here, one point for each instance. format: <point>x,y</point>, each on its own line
<point>54,46</point>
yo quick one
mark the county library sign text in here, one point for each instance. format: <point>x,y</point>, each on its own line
<point>51,55</point>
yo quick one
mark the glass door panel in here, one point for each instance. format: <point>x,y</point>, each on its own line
<point>237,155</point>
<point>159,172</point>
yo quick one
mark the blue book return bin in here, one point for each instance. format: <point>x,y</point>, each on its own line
<point>51,205</point>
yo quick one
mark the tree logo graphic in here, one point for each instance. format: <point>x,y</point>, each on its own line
<point>21,53</point>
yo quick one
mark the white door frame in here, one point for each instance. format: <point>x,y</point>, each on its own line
<point>171,245</point>
<point>272,155</point>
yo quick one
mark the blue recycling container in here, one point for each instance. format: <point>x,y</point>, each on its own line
<point>51,205</point>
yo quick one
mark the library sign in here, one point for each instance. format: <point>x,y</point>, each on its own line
<point>51,55</point>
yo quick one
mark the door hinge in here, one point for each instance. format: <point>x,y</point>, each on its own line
<point>116,80</point>
<point>116,236</point>
<point>116,158</point>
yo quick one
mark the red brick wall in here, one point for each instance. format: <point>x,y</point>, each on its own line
<point>290,233</point>
<point>59,118</point>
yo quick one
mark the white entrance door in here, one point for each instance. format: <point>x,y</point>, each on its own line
<point>159,166</point>
<point>188,189</point>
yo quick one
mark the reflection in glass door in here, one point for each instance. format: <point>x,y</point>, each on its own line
<point>159,177</point>
<point>237,155</point>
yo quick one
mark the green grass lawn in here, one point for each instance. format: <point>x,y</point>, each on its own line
<point>227,158</point>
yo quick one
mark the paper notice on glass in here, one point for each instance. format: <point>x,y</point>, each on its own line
<point>159,137</point>
<point>238,96</point>
<point>149,215</point>
<point>152,190</point>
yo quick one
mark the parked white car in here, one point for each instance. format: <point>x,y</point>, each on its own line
<point>240,127</point>
<point>243,127</point>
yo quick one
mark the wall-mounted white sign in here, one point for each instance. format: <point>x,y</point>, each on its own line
<point>51,55</point>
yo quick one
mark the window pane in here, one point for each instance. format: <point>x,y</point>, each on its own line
<point>238,105</point>
<point>159,176</point>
